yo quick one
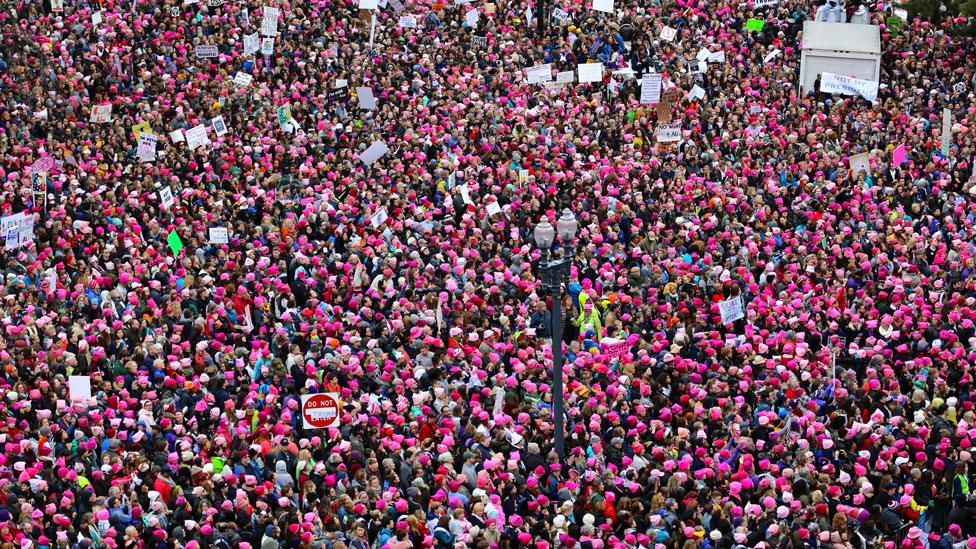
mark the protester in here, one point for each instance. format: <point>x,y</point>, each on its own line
<point>386,254</point>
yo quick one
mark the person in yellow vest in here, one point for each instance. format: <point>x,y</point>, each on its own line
<point>960,483</point>
<point>589,319</point>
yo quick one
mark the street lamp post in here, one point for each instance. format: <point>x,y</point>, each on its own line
<point>554,273</point>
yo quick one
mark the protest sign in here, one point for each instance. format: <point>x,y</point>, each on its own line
<point>42,164</point>
<point>559,15</point>
<point>493,208</point>
<point>366,98</point>
<point>218,235</point>
<point>771,55</point>
<point>668,34</point>
<point>143,126</point>
<point>717,57</point>
<point>175,244</point>
<point>269,21</point>
<point>320,410</point>
<point>408,22</point>
<point>860,162</point>
<point>846,85</point>
<point>471,18</point>
<point>101,113</point>
<point>369,4</point>
<point>479,42</point>
<point>252,42</point>
<point>664,111</point>
<point>756,4</point>
<point>97,18</point>
<point>898,155</point>
<point>373,153</point>
<point>755,24</point>
<point>378,218</point>
<point>205,51</point>
<point>946,130</point>
<point>147,147</point>
<point>79,388</point>
<point>697,92</point>
<point>605,6</point>
<point>284,114</point>
<point>196,137</point>
<point>267,46</point>
<point>397,6</point>
<point>17,230</point>
<point>614,347</point>
<point>959,88</point>
<point>565,77</point>
<point>176,136</point>
<point>668,133</point>
<point>731,310</point>
<point>166,198</point>
<point>651,88</point>
<point>242,79</point>
<point>538,74</point>
<point>590,72</point>
<point>220,128</point>
<point>57,6</point>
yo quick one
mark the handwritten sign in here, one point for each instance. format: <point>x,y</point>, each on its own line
<point>242,79</point>
<point>196,137</point>
<point>479,42</point>
<point>146,152</point>
<point>252,42</point>
<point>373,153</point>
<point>269,21</point>
<point>218,235</point>
<point>847,85</point>
<point>668,34</point>
<point>101,114</point>
<point>651,89</point>
<point>668,133</point>
<point>42,164</point>
<point>408,22</point>
<point>166,198</point>
<point>731,310</point>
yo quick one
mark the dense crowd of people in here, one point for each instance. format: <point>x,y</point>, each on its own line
<point>837,412</point>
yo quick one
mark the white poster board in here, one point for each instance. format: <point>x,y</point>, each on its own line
<point>79,388</point>
<point>242,79</point>
<point>101,114</point>
<point>366,98</point>
<point>147,147</point>
<point>218,235</point>
<point>590,72</point>
<point>538,74</point>
<point>269,21</point>
<point>407,22</point>
<point>166,198</point>
<point>373,153</point>
<point>668,133</point>
<point>846,85</point>
<point>252,42</point>
<point>17,230</point>
<point>565,77</point>
<point>205,51</point>
<point>668,34</point>
<point>731,310</point>
<point>196,137</point>
<point>860,162</point>
<point>605,6</point>
<point>220,128</point>
<point>651,88</point>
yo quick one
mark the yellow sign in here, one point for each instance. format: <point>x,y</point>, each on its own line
<point>141,127</point>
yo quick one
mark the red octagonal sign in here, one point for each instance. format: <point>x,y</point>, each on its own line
<point>320,410</point>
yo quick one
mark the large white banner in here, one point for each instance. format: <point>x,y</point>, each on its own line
<point>846,85</point>
<point>650,89</point>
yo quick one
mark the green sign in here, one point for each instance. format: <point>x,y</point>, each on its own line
<point>755,24</point>
<point>174,242</point>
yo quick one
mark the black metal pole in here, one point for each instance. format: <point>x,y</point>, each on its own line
<point>557,371</point>
<point>541,16</point>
